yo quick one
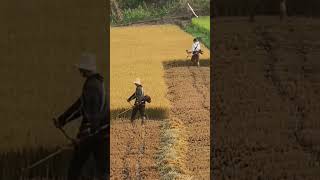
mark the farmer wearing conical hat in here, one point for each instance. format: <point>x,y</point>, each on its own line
<point>92,107</point>
<point>140,103</point>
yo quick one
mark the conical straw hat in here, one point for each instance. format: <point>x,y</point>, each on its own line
<point>87,62</point>
<point>137,81</point>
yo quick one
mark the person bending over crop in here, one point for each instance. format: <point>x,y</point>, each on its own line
<point>195,50</point>
<point>91,105</point>
<point>140,102</point>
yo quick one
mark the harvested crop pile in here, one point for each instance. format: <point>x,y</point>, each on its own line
<point>172,156</point>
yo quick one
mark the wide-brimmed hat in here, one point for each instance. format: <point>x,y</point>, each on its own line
<point>137,81</point>
<point>87,62</point>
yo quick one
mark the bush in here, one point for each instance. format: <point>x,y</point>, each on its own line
<point>142,12</point>
<point>137,10</point>
<point>130,4</point>
<point>131,15</point>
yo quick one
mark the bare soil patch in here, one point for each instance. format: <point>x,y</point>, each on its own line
<point>266,99</point>
<point>133,150</point>
<point>188,91</point>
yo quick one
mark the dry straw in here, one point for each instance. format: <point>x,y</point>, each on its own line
<point>171,157</point>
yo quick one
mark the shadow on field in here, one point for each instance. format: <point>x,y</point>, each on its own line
<point>12,163</point>
<point>152,113</point>
<point>184,63</point>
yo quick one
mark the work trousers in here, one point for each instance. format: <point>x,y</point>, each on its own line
<point>195,58</point>
<point>98,146</point>
<point>141,108</point>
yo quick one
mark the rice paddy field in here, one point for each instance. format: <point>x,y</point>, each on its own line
<point>156,54</point>
<point>142,55</point>
<point>136,60</point>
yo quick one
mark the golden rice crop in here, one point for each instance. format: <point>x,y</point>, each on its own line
<point>139,51</point>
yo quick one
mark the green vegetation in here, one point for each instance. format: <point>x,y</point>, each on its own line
<point>131,11</point>
<point>142,12</point>
<point>203,22</point>
<point>200,28</point>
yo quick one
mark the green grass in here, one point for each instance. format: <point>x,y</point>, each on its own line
<point>203,22</point>
<point>200,28</point>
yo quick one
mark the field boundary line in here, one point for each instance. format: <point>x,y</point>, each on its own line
<point>152,20</point>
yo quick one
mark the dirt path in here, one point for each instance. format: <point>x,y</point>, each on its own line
<point>133,149</point>
<point>188,91</point>
<point>267,85</point>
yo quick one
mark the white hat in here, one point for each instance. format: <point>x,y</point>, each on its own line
<point>137,81</point>
<point>87,62</point>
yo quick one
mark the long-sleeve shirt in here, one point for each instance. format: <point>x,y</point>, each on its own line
<point>195,46</point>
<point>91,105</point>
<point>138,95</point>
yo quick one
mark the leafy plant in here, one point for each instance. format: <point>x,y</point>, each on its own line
<point>200,28</point>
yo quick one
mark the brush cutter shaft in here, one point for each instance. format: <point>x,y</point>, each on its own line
<point>61,149</point>
<point>124,112</point>
<point>47,157</point>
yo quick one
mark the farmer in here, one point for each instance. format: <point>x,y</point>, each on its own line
<point>195,50</point>
<point>140,103</point>
<point>92,106</point>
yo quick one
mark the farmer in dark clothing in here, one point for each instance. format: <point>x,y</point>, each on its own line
<point>92,107</point>
<point>139,104</point>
